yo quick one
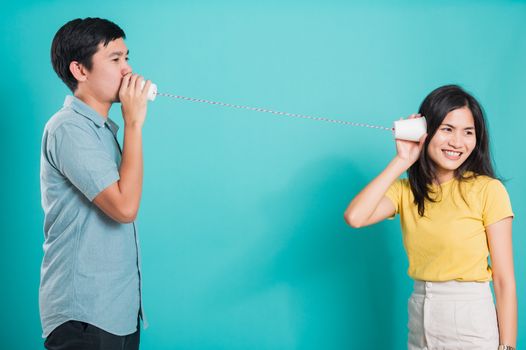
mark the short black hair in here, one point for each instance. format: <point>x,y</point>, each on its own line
<point>78,40</point>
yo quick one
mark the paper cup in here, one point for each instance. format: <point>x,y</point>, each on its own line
<point>410,129</point>
<point>152,93</point>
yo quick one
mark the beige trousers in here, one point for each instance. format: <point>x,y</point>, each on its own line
<point>452,315</point>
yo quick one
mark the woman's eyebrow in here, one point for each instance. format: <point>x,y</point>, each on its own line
<point>453,127</point>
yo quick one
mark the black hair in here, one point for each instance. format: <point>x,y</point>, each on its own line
<point>435,107</point>
<point>78,40</point>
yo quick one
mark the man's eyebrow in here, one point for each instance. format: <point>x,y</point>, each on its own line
<point>119,53</point>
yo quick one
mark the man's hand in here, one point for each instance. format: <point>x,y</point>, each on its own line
<point>134,99</point>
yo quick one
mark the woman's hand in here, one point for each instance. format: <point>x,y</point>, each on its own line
<point>409,151</point>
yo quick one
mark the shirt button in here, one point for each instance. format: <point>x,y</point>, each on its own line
<point>430,295</point>
<point>429,284</point>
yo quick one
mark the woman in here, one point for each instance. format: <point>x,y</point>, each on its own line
<point>454,214</point>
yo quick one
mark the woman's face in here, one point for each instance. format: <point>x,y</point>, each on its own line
<point>453,142</point>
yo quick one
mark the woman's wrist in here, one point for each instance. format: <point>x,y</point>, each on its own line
<point>402,164</point>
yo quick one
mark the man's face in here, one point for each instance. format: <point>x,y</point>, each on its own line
<point>109,65</point>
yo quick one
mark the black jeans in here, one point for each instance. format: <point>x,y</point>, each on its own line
<point>76,335</point>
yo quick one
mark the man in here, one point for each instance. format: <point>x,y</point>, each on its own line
<point>90,289</point>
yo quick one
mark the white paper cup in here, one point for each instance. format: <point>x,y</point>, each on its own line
<point>152,93</point>
<point>410,129</point>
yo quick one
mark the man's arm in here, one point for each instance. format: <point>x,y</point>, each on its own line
<point>121,200</point>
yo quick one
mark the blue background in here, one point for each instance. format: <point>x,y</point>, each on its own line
<point>243,240</point>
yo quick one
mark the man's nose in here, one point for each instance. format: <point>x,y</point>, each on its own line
<point>126,69</point>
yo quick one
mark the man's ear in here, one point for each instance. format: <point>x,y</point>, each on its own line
<point>78,71</point>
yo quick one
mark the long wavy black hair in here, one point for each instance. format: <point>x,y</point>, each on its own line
<point>422,174</point>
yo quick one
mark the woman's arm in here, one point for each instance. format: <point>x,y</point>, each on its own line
<point>371,205</point>
<point>501,252</point>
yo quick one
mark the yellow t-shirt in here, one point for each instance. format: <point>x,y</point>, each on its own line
<point>449,242</point>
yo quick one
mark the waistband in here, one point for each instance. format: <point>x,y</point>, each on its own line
<point>452,290</point>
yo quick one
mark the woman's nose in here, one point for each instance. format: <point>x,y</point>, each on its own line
<point>455,140</point>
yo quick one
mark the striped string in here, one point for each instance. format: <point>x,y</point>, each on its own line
<point>264,110</point>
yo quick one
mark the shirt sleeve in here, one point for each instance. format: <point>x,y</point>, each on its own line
<point>496,203</point>
<point>80,156</point>
<point>394,193</point>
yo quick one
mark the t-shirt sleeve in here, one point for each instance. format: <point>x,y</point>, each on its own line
<point>394,193</point>
<point>496,203</point>
<point>80,156</point>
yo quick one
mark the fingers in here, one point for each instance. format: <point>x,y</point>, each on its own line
<point>125,83</point>
<point>412,116</point>
<point>134,80</point>
<point>146,88</point>
<point>134,85</point>
<point>140,86</point>
<point>137,85</point>
<point>422,140</point>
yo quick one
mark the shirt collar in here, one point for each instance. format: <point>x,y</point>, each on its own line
<point>112,125</point>
<point>85,110</point>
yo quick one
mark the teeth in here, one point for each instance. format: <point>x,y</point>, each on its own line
<point>453,154</point>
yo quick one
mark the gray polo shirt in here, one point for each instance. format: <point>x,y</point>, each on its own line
<point>91,266</point>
